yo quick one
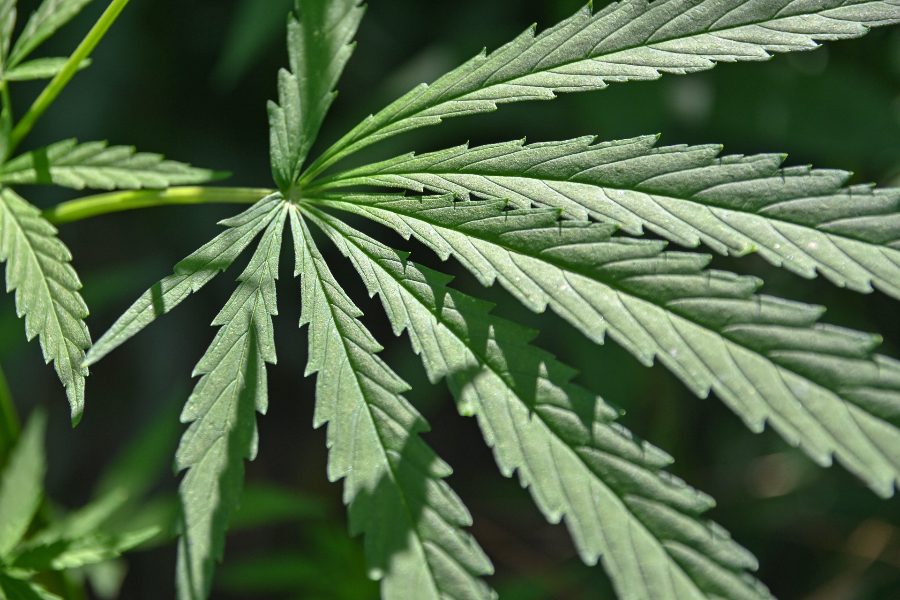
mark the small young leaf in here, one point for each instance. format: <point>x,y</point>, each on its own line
<point>393,485</point>
<point>561,439</point>
<point>50,16</point>
<point>41,68</point>
<point>798,218</point>
<point>628,40</point>
<point>221,411</point>
<point>191,274</point>
<point>319,46</point>
<point>818,386</point>
<point>98,166</point>
<point>12,588</point>
<point>22,484</point>
<point>46,288</point>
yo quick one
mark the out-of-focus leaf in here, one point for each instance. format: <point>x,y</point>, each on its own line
<point>21,488</point>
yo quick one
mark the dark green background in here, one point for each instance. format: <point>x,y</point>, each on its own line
<point>190,79</point>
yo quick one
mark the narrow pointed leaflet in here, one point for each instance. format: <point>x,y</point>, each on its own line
<point>628,40</point>
<point>22,484</point>
<point>98,166</point>
<point>802,219</point>
<point>221,411</point>
<point>46,286</point>
<point>819,386</point>
<point>411,519</point>
<point>319,46</point>
<point>190,275</point>
<point>50,16</point>
<point>620,507</point>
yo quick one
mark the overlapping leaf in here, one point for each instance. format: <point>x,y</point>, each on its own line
<point>563,441</point>
<point>819,386</point>
<point>50,16</point>
<point>628,40</point>
<point>46,286</point>
<point>319,46</point>
<point>98,166</point>
<point>798,218</point>
<point>190,275</point>
<point>7,24</point>
<point>221,411</point>
<point>393,484</point>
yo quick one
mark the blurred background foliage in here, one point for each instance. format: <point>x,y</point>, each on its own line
<point>190,78</point>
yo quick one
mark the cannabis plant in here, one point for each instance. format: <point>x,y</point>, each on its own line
<point>558,225</point>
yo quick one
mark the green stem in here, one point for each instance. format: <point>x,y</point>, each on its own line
<point>101,204</point>
<point>9,420</point>
<point>62,78</point>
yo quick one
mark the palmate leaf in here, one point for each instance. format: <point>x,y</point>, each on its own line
<point>802,219</point>
<point>624,41</point>
<point>393,484</point>
<point>819,386</point>
<point>98,166</point>
<point>319,46</point>
<point>619,506</point>
<point>46,289</point>
<point>50,16</point>
<point>221,411</point>
<point>190,275</point>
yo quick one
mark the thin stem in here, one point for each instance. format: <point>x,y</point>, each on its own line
<point>9,420</point>
<point>101,204</point>
<point>62,78</point>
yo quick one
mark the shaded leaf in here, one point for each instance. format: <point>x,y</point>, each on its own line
<point>221,411</point>
<point>577,462</point>
<point>819,386</point>
<point>393,485</point>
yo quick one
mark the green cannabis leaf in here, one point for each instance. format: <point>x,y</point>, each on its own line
<point>802,219</point>
<point>319,46</point>
<point>392,480</point>
<point>38,263</point>
<point>46,289</point>
<point>551,222</point>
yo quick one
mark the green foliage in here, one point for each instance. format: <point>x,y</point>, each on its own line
<point>76,540</point>
<point>556,224</point>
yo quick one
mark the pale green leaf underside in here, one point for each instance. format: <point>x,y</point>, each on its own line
<point>50,16</point>
<point>41,68</point>
<point>46,285</point>
<point>819,386</point>
<point>629,40</point>
<point>98,166</point>
<point>17,589</point>
<point>319,46</point>
<point>22,484</point>
<point>802,219</point>
<point>393,485</point>
<point>221,411</point>
<point>641,522</point>
<point>190,275</point>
